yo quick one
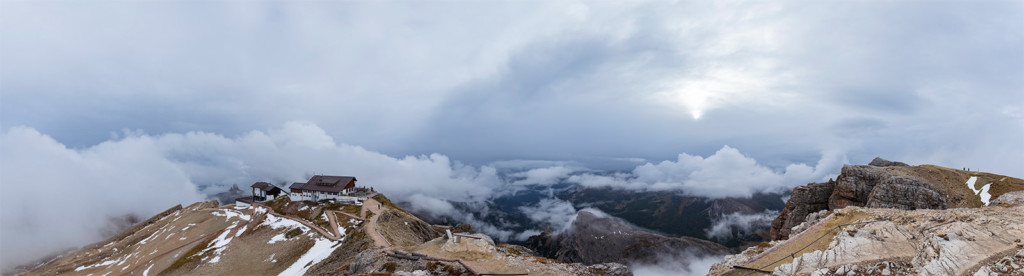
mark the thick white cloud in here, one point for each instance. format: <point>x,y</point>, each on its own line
<point>722,228</point>
<point>727,173</point>
<point>59,197</point>
<point>676,263</point>
<point>542,176</point>
<point>553,214</point>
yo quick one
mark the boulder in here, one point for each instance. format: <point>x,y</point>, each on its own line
<point>1011,198</point>
<point>465,242</point>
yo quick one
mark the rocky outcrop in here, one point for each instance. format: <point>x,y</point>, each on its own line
<point>465,242</point>
<point>594,239</point>
<point>1011,198</point>
<point>803,200</point>
<point>879,162</point>
<point>882,184</point>
<point>870,186</point>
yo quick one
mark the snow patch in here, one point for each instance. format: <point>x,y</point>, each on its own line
<point>110,262</point>
<point>220,243</point>
<point>983,192</point>
<point>241,231</point>
<point>280,222</point>
<point>279,237</point>
<point>320,250</point>
<point>228,214</point>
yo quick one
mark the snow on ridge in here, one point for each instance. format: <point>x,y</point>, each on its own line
<point>228,214</point>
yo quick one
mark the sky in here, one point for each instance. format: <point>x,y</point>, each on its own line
<point>717,99</point>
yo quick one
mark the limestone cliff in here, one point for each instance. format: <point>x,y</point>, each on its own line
<point>887,184</point>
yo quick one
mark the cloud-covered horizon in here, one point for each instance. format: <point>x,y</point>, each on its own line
<point>142,174</point>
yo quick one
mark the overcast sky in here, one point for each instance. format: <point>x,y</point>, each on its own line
<point>227,91</point>
<point>932,82</point>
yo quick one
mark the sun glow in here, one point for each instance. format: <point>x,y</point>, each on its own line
<point>713,89</point>
<point>695,97</point>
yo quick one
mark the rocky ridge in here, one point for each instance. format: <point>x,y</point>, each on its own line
<point>300,238</point>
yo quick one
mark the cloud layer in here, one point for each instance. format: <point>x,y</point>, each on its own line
<point>742,224</point>
<point>727,173</point>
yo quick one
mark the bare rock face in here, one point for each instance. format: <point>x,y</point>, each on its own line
<point>803,200</point>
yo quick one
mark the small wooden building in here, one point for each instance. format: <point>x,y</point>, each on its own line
<point>263,191</point>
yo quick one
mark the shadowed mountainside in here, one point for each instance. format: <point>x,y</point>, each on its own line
<point>595,239</point>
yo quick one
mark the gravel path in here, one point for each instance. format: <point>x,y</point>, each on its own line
<point>374,207</point>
